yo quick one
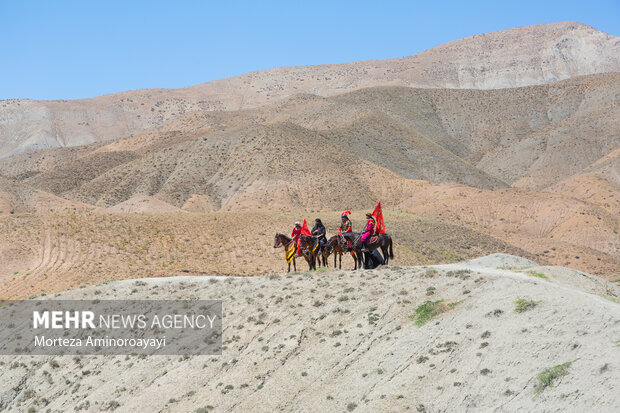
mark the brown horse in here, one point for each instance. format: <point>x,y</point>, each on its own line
<point>326,250</point>
<point>310,248</point>
<point>286,242</point>
<point>339,246</point>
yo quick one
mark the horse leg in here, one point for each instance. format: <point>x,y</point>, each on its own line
<point>386,257</point>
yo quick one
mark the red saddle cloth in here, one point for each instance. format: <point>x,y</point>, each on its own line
<point>373,239</point>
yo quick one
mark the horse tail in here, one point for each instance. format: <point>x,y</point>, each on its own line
<point>391,252</point>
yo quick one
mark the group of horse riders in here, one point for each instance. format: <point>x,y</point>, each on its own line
<point>319,230</point>
<point>315,245</point>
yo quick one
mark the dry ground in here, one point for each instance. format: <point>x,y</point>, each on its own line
<point>47,253</point>
<point>344,341</point>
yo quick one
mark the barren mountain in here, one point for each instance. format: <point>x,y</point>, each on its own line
<point>374,139</point>
<point>516,57</point>
<point>481,335</point>
<point>598,184</point>
<point>310,153</point>
<point>505,142</point>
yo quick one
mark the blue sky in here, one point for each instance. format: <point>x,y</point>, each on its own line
<point>76,49</point>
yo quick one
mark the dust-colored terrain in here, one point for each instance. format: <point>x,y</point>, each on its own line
<point>505,142</point>
<point>47,253</point>
<point>511,58</point>
<point>349,151</point>
<point>345,341</point>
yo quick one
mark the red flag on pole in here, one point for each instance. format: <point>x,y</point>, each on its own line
<point>378,214</point>
<point>305,230</point>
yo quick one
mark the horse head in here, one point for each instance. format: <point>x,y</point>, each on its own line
<point>276,240</point>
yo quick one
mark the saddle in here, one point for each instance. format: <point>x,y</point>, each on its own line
<point>372,239</point>
<point>344,243</point>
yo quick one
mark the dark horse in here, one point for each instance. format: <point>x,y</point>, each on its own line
<point>383,241</point>
<point>287,243</point>
<point>326,250</point>
<point>310,248</point>
<point>339,246</point>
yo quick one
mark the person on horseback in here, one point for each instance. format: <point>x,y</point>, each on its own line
<point>296,237</point>
<point>345,226</point>
<point>345,222</point>
<point>319,231</point>
<point>369,230</point>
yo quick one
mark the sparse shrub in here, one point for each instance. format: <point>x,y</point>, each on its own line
<point>454,304</point>
<point>421,359</point>
<point>113,405</point>
<point>537,274</point>
<point>521,304</point>
<point>351,406</point>
<point>495,313</point>
<point>547,377</point>
<point>425,312</point>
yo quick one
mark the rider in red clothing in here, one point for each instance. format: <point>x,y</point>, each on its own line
<point>295,235</point>
<point>345,225</point>
<point>370,227</point>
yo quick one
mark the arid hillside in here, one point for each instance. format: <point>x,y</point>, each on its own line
<point>371,141</point>
<point>511,58</point>
<point>168,181</point>
<point>564,230</point>
<point>310,153</point>
<point>49,252</point>
<point>499,333</point>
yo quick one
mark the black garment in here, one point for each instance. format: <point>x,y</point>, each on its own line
<point>372,260</point>
<point>319,231</point>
